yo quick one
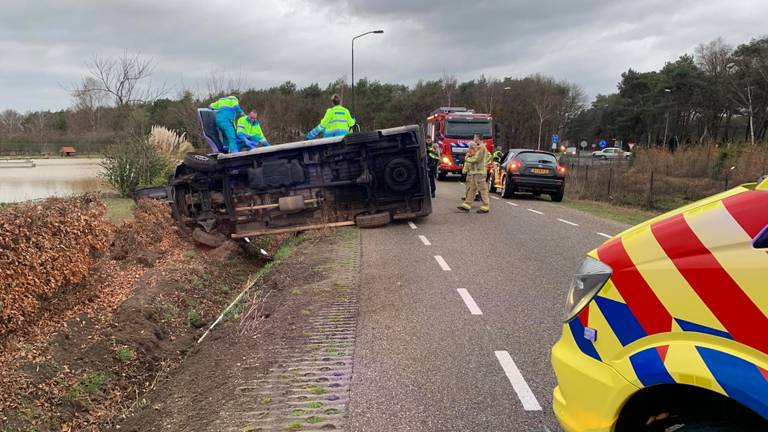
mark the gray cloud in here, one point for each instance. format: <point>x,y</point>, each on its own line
<point>44,46</point>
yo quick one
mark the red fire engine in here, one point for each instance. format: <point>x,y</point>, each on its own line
<point>453,129</point>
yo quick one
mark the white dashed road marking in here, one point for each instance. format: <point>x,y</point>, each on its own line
<point>412,225</point>
<point>568,222</point>
<point>494,197</point>
<point>535,211</point>
<point>524,392</point>
<point>604,235</point>
<point>469,301</point>
<point>425,240</point>
<point>443,264</point>
<point>512,204</point>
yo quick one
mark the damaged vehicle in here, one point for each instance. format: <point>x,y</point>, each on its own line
<point>366,179</point>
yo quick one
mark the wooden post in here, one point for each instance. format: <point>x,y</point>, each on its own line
<point>650,192</point>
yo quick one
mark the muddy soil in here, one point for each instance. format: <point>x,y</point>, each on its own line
<point>210,391</point>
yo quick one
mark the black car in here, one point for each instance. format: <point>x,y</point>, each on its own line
<point>533,171</point>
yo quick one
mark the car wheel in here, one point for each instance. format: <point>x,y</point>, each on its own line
<point>558,197</point>
<point>507,188</point>
<point>605,158</point>
<point>200,162</point>
<point>491,183</point>
<point>373,220</point>
<point>463,177</point>
<point>441,175</point>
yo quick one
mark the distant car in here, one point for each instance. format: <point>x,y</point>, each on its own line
<point>611,153</point>
<point>571,152</point>
<point>522,170</point>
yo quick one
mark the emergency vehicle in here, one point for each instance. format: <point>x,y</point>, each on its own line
<point>667,323</point>
<point>453,129</point>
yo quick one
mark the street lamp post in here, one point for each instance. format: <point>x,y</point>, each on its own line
<point>353,62</point>
<point>666,122</point>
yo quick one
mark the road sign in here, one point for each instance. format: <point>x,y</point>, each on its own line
<point>555,138</point>
<point>583,144</point>
<point>603,144</point>
<point>554,146</point>
<point>631,145</point>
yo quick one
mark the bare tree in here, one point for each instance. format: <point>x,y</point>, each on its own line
<point>126,79</point>
<point>449,86</point>
<point>88,99</point>
<point>221,82</point>
<point>11,121</point>
<point>39,122</point>
<point>543,100</point>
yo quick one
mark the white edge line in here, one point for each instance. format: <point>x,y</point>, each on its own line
<point>524,392</point>
<point>568,222</point>
<point>512,204</point>
<point>494,197</point>
<point>469,301</point>
<point>443,265</point>
<point>535,211</point>
<point>412,225</point>
<point>425,240</point>
<point>604,235</point>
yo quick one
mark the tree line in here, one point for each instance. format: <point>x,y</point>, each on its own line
<point>716,94</point>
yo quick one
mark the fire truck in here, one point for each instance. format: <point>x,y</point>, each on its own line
<point>453,128</point>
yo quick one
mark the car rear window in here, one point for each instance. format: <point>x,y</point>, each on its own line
<point>537,157</point>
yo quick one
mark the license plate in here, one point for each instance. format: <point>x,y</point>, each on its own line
<point>540,171</point>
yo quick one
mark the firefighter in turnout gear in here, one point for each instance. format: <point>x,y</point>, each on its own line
<point>476,162</point>
<point>433,160</point>
<point>337,121</point>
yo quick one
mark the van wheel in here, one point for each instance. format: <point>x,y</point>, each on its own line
<point>361,137</point>
<point>373,220</point>
<point>200,162</point>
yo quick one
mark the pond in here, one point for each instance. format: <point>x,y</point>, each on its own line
<point>51,177</point>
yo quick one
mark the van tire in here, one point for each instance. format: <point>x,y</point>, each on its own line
<point>373,220</point>
<point>361,137</point>
<point>200,162</point>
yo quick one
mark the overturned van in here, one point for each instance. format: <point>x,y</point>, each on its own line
<point>366,179</point>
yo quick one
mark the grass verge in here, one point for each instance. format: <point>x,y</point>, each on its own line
<point>627,215</point>
<point>119,210</point>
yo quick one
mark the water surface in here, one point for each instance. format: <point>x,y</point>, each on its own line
<point>51,177</point>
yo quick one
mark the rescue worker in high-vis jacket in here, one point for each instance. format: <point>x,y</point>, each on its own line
<point>476,163</point>
<point>337,121</point>
<point>433,161</point>
<point>249,131</point>
<point>227,110</point>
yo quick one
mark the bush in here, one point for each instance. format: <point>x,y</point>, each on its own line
<point>132,163</point>
<point>44,246</point>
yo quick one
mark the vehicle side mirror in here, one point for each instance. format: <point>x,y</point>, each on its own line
<point>761,240</point>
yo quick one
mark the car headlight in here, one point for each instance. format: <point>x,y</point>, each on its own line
<point>590,277</point>
<point>446,160</point>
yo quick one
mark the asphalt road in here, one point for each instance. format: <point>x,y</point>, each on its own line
<point>426,357</point>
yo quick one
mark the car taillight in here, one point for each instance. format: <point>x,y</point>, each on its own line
<point>513,166</point>
<point>561,169</point>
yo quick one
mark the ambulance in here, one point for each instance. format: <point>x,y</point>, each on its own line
<point>666,325</point>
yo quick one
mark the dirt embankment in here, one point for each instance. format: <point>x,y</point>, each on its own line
<point>94,315</point>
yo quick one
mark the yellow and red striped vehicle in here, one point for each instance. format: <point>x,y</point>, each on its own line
<point>667,323</point>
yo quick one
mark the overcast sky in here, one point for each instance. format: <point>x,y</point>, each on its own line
<point>45,44</point>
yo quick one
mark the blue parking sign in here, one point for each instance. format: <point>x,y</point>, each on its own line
<point>603,144</point>
<point>555,138</point>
